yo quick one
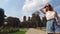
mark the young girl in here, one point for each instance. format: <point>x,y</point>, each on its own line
<point>51,16</point>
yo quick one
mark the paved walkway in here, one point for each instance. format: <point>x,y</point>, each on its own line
<point>35,31</point>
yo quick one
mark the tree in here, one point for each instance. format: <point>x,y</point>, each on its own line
<point>36,19</point>
<point>44,21</point>
<point>13,21</point>
<point>2,15</point>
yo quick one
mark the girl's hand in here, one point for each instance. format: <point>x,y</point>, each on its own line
<point>58,23</point>
<point>42,10</point>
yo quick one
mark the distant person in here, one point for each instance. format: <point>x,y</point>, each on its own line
<point>52,17</point>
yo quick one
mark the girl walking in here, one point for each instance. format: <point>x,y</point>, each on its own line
<point>52,17</point>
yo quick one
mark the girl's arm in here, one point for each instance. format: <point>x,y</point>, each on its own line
<point>42,11</point>
<point>56,15</point>
<point>58,19</point>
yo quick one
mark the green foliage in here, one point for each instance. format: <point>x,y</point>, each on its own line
<point>13,21</point>
<point>8,30</point>
<point>20,32</point>
<point>44,21</point>
<point>2,15</point>
<point>29,25</point>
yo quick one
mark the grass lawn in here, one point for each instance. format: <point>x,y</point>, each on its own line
<point>22,31</point>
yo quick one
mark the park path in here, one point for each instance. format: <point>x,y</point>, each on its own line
<point>35,31</point>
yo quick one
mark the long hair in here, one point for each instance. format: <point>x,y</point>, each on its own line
<point>50,7</point>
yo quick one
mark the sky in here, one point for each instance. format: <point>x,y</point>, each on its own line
<point>20,8</point>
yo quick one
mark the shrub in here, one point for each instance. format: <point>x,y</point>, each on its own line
<point>9,30</point>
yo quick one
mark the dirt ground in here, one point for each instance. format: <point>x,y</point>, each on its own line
<point>35,31</point>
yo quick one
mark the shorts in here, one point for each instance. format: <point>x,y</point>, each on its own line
<point>52,26</point>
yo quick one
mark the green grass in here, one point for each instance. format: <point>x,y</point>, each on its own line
<point>20,32</point>
<point>24,30</point>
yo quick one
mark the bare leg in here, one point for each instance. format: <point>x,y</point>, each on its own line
<point>49,33</point>
<point>57,33</point>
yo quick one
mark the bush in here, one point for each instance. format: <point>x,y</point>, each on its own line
<point>9,30</point>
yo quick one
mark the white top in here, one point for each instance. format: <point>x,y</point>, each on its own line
<point>50,14</point>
